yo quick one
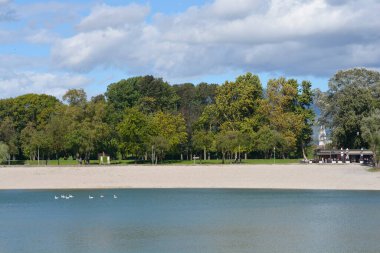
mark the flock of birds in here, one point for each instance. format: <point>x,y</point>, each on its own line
<point>71,196</point>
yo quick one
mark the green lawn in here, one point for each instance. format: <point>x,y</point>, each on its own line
<point>174,162</point>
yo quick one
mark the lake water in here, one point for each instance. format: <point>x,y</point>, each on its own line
<point>190,221</point>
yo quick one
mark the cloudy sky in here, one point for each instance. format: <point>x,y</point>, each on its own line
<point>51,46</point>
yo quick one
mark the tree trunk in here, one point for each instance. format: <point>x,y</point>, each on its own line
<point>303,152</point>
<point>204,154</point>
<point>223,157</point>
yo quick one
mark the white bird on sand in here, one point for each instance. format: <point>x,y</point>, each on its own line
<point>114,196</point>
<point>55,197</point>
<point>90,197</point>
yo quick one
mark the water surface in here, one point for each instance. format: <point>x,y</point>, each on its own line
<point>190,221</point>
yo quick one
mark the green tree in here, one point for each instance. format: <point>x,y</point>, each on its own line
<point>203,140</point>
<point>370,127</point>
<point>351,97</point>
<point>9,136</point>
<point>135,132</point>
<point>238,100</point>
<point>283,113</point>
<point>4,155</point>
<point>55,132</point>
<point>266,140</point>
<point>170,127</point>
<point>28,108</point>
<point>75,97</point>
<point>30,142</point>
<point>304,108</point>
<point>228,142</point>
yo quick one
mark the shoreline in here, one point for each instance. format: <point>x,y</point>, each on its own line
<point>275,177</point>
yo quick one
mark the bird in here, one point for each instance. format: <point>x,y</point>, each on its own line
<point>90,197</point>
<point>71,196</point>
<point>62,196</point>
<point>101,196</point>
<point>55,197</point>
<point>114,196</point>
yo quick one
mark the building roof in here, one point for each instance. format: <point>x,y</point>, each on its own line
<point>344,151</point>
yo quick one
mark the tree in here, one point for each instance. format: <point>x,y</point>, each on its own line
<point>135,132</point>
<point>370,127</point>
<point>4,155</point>
<point>351,97</point>
<point>203,140</point>
<point>266,140</point>
<point>284,113</point>
<point>9,136</point>
<point>170,127</point>
<point>228,141</point>
<point>28,108</point>
<point>56,131</point>
<point>75,97</point>
<point>30,141</point>
<point>238,100</point>
<point>305,100</point>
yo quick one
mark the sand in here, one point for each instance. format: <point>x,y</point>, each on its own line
<point>291,176</point>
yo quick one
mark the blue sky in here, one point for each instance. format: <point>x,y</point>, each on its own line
<point>51,46</point>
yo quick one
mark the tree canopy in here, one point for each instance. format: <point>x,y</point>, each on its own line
<point>146,118</point>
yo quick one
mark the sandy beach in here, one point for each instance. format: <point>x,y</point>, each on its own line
<point>292,176</point>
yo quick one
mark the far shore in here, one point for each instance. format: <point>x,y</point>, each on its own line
<point>290,176</point>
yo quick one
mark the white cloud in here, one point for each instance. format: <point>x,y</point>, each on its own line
<point>42,36</point>
<point>311,37</point>
<point>104,16</point>
<point>17,83</point>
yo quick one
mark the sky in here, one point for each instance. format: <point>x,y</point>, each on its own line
<point>52,46</point>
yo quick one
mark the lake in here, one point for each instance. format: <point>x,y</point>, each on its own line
<point>189,220</point>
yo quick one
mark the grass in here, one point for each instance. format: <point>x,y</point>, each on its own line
<point>373,169</point>
<point>173,162</point>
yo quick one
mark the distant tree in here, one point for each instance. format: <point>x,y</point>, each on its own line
<point>75,97</point>
<point>266,140</point>
<point>352,95</point>
<point>304,108</point>
<point>238,100</point>
<point>9,136</point>
<point>56,130</point>
<point>28,108</point>
<point>170,127</point>
<point>146,92</point>
<point>30,141</point>
<point>135,132</point>
<point>4,155</point>
<point>228,142</point>
<point>203,140</point>
<point>370,127</point>
<point>284,114</point>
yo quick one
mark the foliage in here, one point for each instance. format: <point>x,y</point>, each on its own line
<point>4,154</point>
<point>135,132</point>
<point>203,140</point>
<point>352,95</point>
<point>75,97</point>
<point>148,119</point>
<point>370,127</point>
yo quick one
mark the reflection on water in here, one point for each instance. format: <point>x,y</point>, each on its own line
<point>189,221</point>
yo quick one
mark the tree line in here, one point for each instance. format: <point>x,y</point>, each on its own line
<point>146,118</point>
<point>350,108</point>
